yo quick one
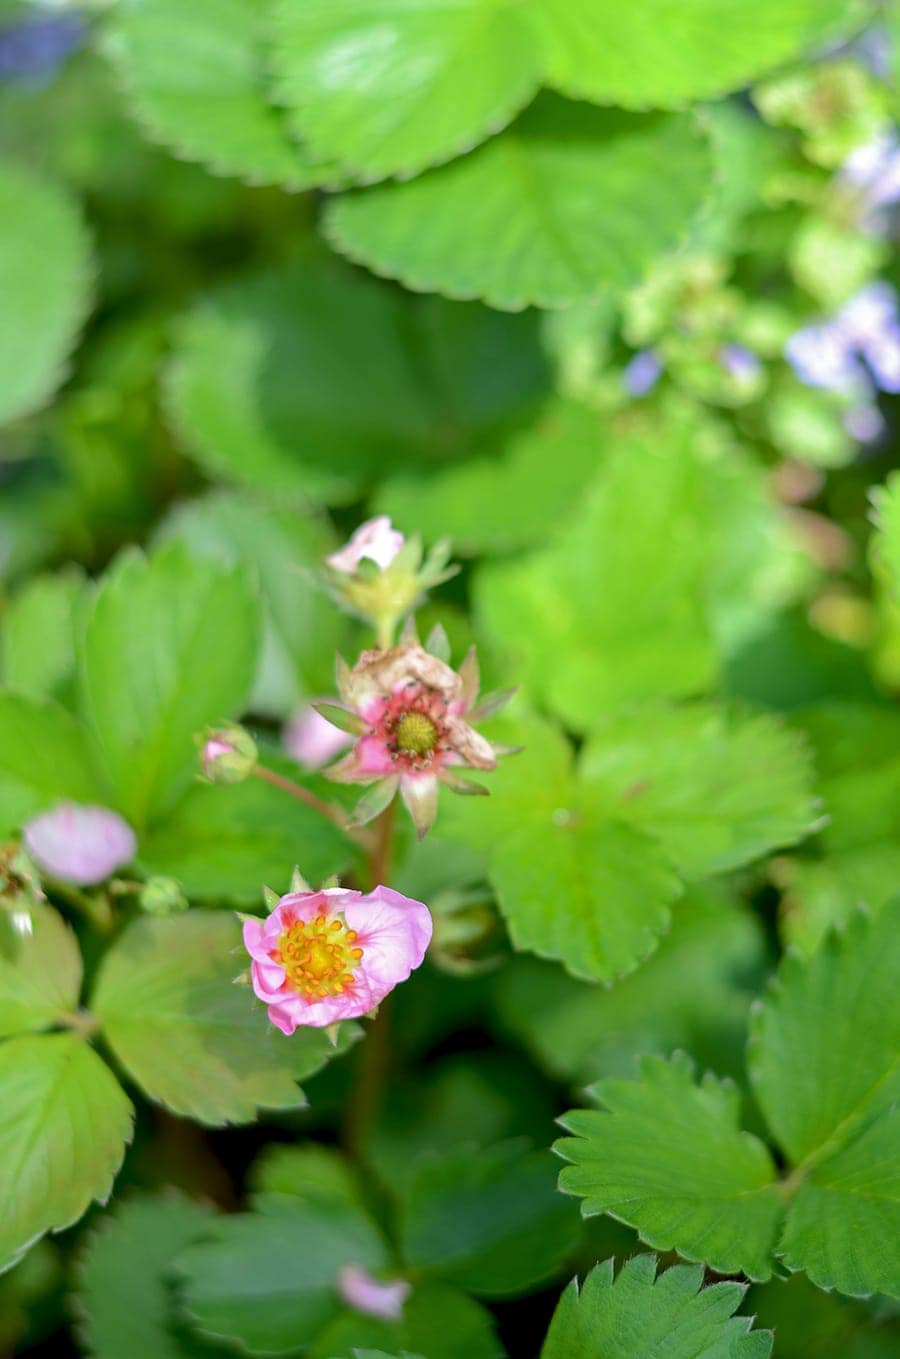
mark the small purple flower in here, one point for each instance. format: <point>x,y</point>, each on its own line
<point>865,424</point>
<point>872,171</point>
<point>858,348</point>
<point>80,844</point>
<point>34,50</point>
<point>739,362</point>
<point>641,373</point>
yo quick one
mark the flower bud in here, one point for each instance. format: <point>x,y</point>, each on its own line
<point>380,576</point>
<point>376,541</point>
<point>228,754</point>
<point>162,896</point>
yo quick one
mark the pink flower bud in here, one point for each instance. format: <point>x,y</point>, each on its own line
<point>80,844</point>
<point>376,540</point>
<point>359,1290</point>
<point>312,740</point>
<point>335,954</point>
<point>228,754</point>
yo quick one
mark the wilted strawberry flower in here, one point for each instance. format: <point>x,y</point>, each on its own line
<point>80,844</point>
<point>409,711</point>
<point>380,575</point>
<point>334,954</point>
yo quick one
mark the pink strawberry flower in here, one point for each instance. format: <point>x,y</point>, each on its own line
<point>376,540</point>
<point>335,954</point>
<point>411,712</point>
<point>80,844</point>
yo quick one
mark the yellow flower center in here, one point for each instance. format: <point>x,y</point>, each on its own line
<point>416,734</point>
<point>318,956</point>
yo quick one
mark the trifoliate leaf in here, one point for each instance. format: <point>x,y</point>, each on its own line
<point>489,1221</point>
<point>283,549</point>
<point>124,1295</point>
<point>257,390</point>
<point>497,505</point>
<point>188,1037</point>
<point>40,973</point>
<point>37,636</point>
<point>660,56</point>
<point>693,993</point>
<point>170,645</point>
<point>843,1228</point>
<point>225,842</point>
<point>569,203</point>
<point>194,75</point>
<point>716,787</point>
<point>438,1322</point>
<point>45,285</point>
<point>388,88</point>
<point>63,1129</point>
<point>639,1314</point>
<point>667,1156</point>
<point>45,757</point>
<point>571,883</point>
<point>825,1052</point>
<point>269,1279</point>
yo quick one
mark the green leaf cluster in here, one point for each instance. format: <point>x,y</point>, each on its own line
<point>667,1154</point>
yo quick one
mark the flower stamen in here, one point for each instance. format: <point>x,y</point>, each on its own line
<point>318,957</point>
<point>416,734</point>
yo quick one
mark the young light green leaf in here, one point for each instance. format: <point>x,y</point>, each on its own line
<point>284,548</point>
<point>571,883</point>
<point>269,1279</point>
<point>225,842</point>
<point>694,993</point>
<point>64,1125</point>
<point>40,973</point>
<point>45,757</point>
<point>651,55</point>
<point>667,1156</point>
<point>188,1037</point>
<point>716,787</point>
<point>37,637</point>
<point>124,1297</point>
<point>170,645</point>
<point>529,198</point>
<point>676,528</point>
<point>45,285</point>
<point>640,1314</point>
<point>389,88</point>
<point>195,77</point>
<point>489,1221</point>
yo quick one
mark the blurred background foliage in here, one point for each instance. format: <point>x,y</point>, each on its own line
<point>643,372</point>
